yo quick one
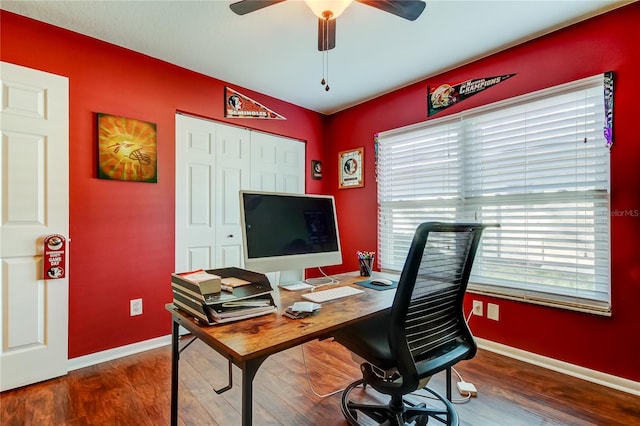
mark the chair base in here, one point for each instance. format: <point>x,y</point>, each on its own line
<point>397,412</point>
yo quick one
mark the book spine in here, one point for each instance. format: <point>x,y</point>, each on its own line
<point>185,283</point>
<point>191,306</point>
<point>187,309</point>
<point>211,285</point>
<point>186,290</point>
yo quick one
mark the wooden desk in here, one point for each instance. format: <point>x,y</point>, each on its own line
<point>247,343</point>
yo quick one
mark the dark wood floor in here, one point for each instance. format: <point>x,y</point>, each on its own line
<point>135,391</point>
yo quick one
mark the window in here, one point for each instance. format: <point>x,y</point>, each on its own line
<point>537,165</point>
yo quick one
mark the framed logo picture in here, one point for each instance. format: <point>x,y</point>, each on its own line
<point>127,149</point>
<point>316,170</point>
<point>351,168</point>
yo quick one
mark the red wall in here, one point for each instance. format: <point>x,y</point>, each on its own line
<point>608,42</point>
<point>123,232</point>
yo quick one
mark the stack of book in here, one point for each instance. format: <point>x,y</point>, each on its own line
<point>219,296</point>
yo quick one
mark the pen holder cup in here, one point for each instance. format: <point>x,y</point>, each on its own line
<point>365,266</point>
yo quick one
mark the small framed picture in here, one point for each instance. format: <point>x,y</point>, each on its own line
<point>351,168</point>
<point>316,170</point>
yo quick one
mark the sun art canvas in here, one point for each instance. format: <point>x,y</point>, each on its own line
<point>127,149</point>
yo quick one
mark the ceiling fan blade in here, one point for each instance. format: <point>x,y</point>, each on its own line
<point>246,6</point>
<point>326,34</point>
<point>407,9</point>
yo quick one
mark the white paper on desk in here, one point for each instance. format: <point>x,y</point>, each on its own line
<point>253,314</point>
<point>304,307</point>
<point>247,303</point>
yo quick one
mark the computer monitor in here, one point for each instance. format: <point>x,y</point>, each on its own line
<point>284,232</point>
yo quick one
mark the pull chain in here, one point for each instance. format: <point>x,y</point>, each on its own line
<point>326,87</point>
<point>325,50</point>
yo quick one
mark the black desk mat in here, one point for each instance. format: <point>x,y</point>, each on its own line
<point>369,284</point>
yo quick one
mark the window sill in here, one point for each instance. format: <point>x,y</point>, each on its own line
<point>559,302</point>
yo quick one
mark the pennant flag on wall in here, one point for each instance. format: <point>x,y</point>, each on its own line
<point>237,105</point>
<point>446,95</point>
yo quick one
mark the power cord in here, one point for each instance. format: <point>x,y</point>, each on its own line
<point>469,316</point>
<point>321,281</point>
<point>306,371</point>
<point>416,393</point>
<point>463,387</point>
<point>453,400</point>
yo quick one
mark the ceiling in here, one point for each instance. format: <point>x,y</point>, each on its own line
<point>274,50</point>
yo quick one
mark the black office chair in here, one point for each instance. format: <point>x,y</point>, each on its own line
<point>423,333</point>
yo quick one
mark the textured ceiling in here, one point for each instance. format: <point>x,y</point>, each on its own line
<point>274,50</point>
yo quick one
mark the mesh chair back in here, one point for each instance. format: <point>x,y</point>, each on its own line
<point>429,331</point>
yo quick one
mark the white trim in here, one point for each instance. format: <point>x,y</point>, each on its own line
<point>119,352</point>
<point>583,373</point>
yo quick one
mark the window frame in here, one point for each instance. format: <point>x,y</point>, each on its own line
<point>400,241</point>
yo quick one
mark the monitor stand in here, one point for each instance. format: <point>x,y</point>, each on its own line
<point>292,280</point>
<point>292,276</point>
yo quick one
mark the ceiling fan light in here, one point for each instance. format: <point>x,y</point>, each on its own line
<point>336,7</point>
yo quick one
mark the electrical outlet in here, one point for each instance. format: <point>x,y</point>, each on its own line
<point>493,311</point>
<point>477,308</point>
<point>135,307</point>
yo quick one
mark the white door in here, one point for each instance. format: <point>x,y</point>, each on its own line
<point>277,164</point>
<point>195,181</point>
<point>213,163</point>
<point>212,166</point>
<point>34,188</point>
<point>232,171</point>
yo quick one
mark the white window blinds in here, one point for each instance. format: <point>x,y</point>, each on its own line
<point>537,165</point>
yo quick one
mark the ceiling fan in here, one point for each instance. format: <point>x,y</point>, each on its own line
<point>328,10</point>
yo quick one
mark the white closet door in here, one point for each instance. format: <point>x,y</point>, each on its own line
<point>213,163</point>
<point>232,171</point>
<point>277,163</point>
<point>195,183</point>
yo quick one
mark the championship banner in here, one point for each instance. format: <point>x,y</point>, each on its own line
<point>446,95</point>
<point>237,105</point>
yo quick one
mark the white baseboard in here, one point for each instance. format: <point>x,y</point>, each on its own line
<point>594,376</point>
<point>115,353</point>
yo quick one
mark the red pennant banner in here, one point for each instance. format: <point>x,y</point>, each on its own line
<point>237,105</point>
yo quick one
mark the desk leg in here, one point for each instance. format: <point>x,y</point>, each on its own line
<point>175,357</point>
<point>248,373</point>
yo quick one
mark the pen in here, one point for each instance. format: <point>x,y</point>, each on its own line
<point>226,287</point>
<point>366,254</point>
<point>365,258</point>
